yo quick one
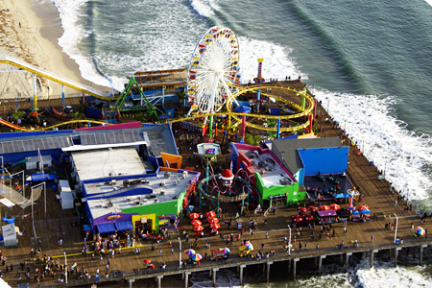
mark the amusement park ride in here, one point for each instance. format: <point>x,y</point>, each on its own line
<point>225,187</point>
<point>213,87</point>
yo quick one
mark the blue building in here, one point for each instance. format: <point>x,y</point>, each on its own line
<point>309,157</point>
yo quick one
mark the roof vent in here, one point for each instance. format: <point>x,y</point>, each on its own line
<point>113,182</point>
<point>162,192</point>
<point>167,175</point>
<point>110,204</point>
<point>145,181</point>
<point>162,184</point>
<point>156,200</point>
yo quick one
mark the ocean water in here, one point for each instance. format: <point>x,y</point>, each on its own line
<point>367,61</point>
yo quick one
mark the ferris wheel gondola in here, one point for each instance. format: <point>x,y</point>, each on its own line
<point>213,70</point>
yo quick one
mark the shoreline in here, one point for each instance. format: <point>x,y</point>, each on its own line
<point>35,42</point>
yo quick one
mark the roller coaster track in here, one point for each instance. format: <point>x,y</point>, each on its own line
<point>19,128</point>
<point>4,59</point>
<point>235,115</point>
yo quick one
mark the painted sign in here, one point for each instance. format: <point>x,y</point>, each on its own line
<point>210,151</point>
<point>143,220</point>
<point>113,217</point>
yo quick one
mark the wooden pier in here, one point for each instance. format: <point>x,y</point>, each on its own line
<point>128,266</point>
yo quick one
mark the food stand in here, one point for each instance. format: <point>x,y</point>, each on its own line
<point>218,254</point>
<point>169,221</point>
<point>327,217</point>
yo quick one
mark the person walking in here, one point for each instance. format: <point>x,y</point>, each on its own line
<point>160,253</point>
<point>372,238</point>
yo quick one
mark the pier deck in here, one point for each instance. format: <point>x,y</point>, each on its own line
<point>377,196</point>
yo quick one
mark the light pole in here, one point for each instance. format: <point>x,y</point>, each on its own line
<point>397,221</point>
<point>64,253</point>
<point>180,253</point>
<point>289,241</point>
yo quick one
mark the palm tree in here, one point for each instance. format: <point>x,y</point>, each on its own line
<point>252,140</point>
<point>17,114</point>
<point>77,116</point>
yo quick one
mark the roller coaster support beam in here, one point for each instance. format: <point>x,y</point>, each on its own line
<point>35,108</point>
<point>243,125</point>
<point>310,123</point>
<point>278,128</point>
<point>211,127</point>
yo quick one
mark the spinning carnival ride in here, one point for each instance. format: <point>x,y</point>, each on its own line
<point>213,70</point>
<point>225,187</point>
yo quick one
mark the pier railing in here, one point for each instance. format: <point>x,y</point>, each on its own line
<point>234,262</point>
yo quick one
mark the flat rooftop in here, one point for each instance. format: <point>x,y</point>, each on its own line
<point>273,173</point>
<point>97,164</point>
<point>287,149</point>
<point>174,186</point>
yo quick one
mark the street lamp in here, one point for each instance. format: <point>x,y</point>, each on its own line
<point>397,221</point>
<point>64,253</point>
<point>180,254</point>
<point>289,243</point>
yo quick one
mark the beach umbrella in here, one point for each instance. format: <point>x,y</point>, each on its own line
<point>213,220</point>
<point>147,261</point>
<point>335,207</point>
<point>197,257</point>
<point>249,246</point>
<point>194,216</point>
<point>198,228</point>
<point>420,231</point>
<point>355,212</point>
<point>324,208</point>
<point>34,114</point>
<point>210,214</point>
<point>196,222</point>
<point>364,207</point>
<point>308,217</point>
<point>313,209</point>
<point>296,218</point>
<point>190,252</point>
<point>215,226</point>
<point>225,250</point>
<point>151,266</point>
<point>302,210</point>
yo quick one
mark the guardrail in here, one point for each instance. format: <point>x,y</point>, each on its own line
<point>277,257</point>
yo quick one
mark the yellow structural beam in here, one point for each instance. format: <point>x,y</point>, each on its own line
<point>53,77</point>
<point>65,123</point>
<point>241,90</point>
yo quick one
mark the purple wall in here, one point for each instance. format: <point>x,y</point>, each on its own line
<point>104,220</point>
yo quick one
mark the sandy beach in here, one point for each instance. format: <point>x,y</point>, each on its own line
<point>29,31</point>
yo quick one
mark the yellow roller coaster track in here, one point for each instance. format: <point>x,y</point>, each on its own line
<point>232,114</point>
<point>64,123</point>
<point>4,59</point>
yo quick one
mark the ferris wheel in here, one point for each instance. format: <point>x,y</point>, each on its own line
<point>213,70</point>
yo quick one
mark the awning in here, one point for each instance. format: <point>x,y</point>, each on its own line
<point>124,225</point>
<point>106,228</point>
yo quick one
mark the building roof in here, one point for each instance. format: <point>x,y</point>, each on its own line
<point>108,202</point>
<point>271,172</point>
<point>109,162</point>
<point>157,138</point>
<point>287,149</point>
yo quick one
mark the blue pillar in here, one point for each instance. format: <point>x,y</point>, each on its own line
<point>278,128</point>
<point>63,97</point>
<point>258,98</point>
